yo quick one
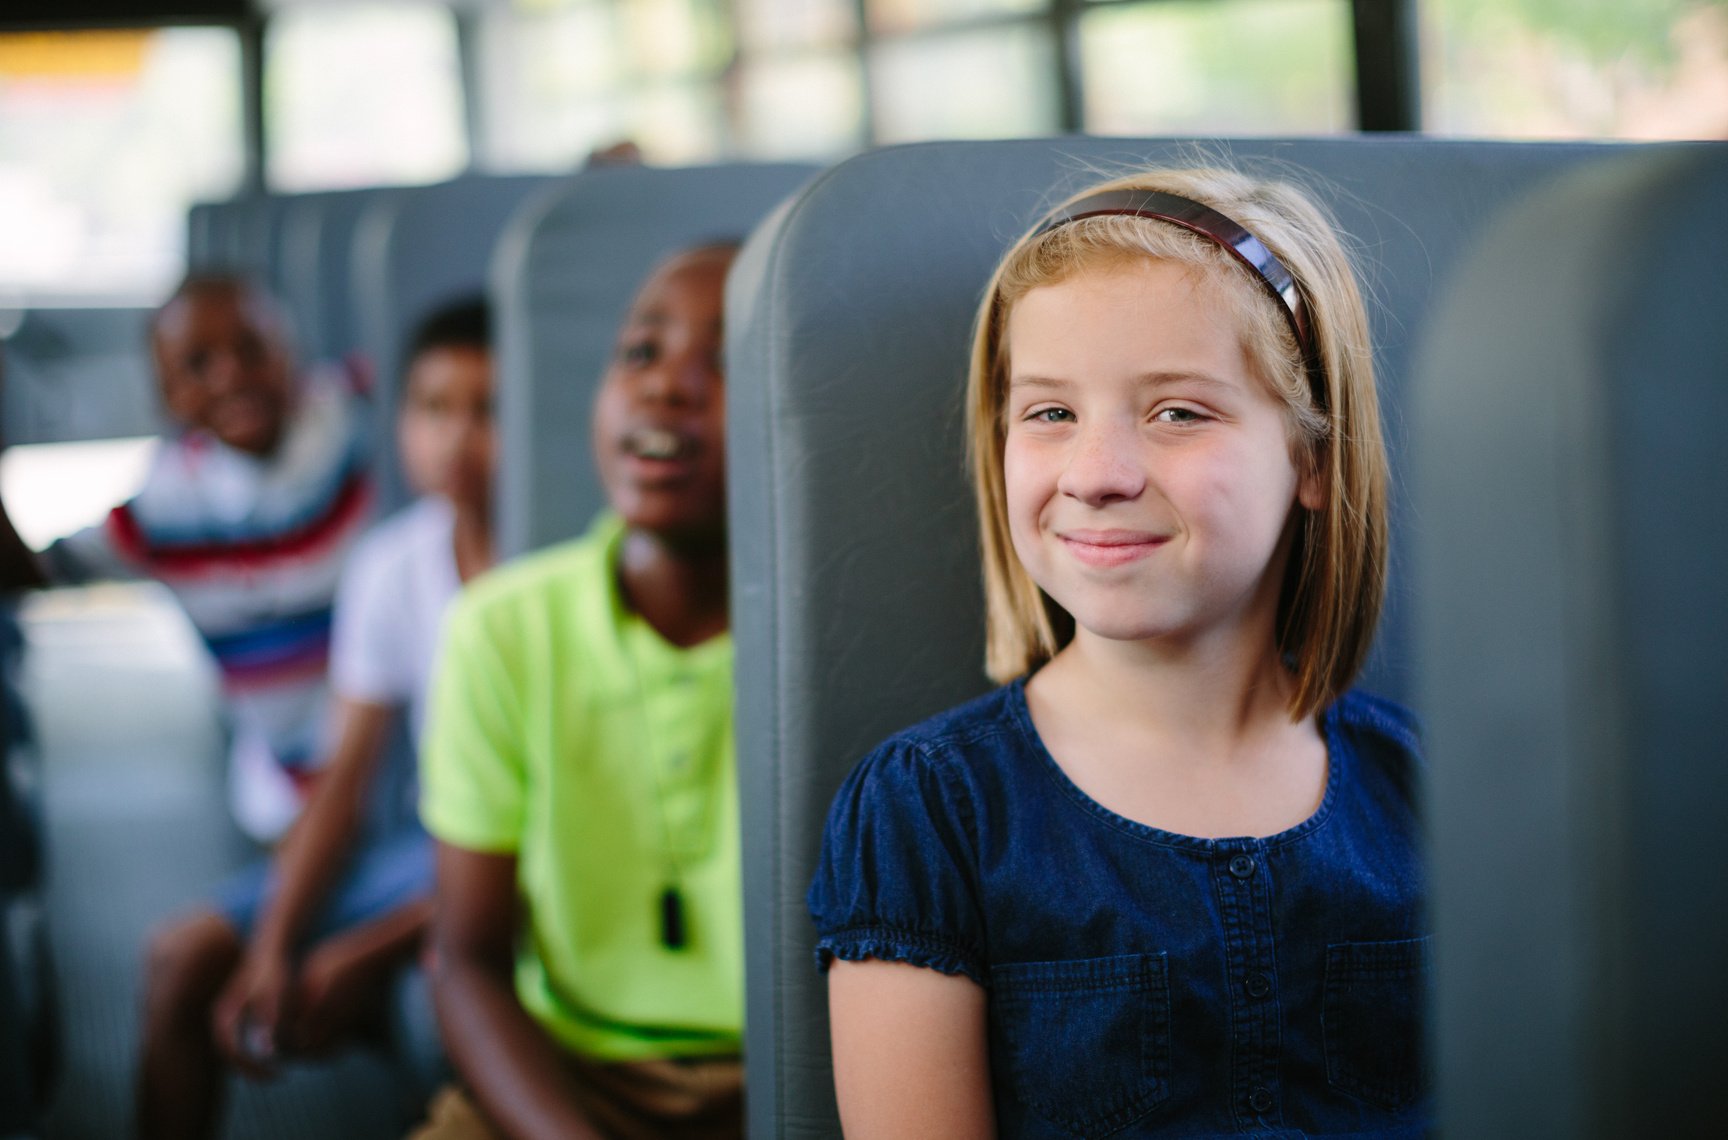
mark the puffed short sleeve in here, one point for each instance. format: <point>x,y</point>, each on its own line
<point>898,878</point>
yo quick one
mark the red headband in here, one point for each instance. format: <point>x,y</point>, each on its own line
<point>1210,224</point>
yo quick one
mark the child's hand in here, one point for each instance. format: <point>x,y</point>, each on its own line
<point>340,982</point>
<point>250,1011</point>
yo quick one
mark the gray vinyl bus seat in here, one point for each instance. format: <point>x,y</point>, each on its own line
<point>565,273</point>
<point>1572,393</point>
<point>29,1010</point>
<point>246,234</point>
<point>243,234</point>
<point>413,250</point>
<point>202,237</point>
<point>214,235</point>
<point>250,229</point>
<point>857,605</point>
<point>317,271</point>
<point>407,251</point>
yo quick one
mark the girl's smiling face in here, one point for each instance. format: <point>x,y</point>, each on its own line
<point>1148,471</point>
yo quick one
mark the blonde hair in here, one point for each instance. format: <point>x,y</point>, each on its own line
<point>1336,576</point>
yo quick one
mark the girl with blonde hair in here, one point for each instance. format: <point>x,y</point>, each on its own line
<point>1165,880</point>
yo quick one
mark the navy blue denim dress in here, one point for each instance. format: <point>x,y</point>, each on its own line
<point>1143,983</point>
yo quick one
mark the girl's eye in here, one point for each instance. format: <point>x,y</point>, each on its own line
<point>1177,416</point>
<point>638,352</point>
<point>1050,416</point>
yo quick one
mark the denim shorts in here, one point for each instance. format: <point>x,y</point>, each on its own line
<point>382,876</point>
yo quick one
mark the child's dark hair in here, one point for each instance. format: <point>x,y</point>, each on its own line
<point>463,323</point>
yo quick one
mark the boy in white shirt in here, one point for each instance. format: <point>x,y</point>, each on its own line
<point>295,955</point>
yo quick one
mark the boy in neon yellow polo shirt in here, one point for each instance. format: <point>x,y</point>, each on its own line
<point>579,779</point>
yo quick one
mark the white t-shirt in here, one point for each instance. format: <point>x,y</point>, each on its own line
<point>390,605</point>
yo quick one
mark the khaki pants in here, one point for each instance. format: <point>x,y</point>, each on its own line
<point>698,1098</point>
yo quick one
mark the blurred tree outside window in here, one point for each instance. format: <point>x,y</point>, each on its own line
<point>994,82</point>
<point>550,85</point>
<point>362,95</point>
<point>1632,69</point>
<point>890,16</point>
<point>765,25</point>
<point>1218,67</point>
<point>802,78</point>
<point>801,106</point>
<point>678,123</point>
<point>796,88</point>
<point>106,139</point>
<point>562,78</point>
<point>676,37</point>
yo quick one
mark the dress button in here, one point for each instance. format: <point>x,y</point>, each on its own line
<point>1242,866</point>
<point>1260,1100</point>
<point>1259,985</point>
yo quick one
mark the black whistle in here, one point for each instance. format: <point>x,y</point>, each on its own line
<point>672,919</point>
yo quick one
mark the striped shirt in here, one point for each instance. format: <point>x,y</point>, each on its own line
<point>252,548</point>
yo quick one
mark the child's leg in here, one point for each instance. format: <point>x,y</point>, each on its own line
<point>344,982</point>
<point>180,1072</point>
<point>454,1116</point>
<point>688,1098</point>
<point>370,926</point>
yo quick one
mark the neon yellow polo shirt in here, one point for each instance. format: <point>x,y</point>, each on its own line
<point>564,730</point>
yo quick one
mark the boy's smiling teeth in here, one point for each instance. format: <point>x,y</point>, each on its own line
<point>653,443</point>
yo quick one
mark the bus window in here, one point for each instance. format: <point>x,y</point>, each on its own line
<point>363,95</point>
<point>1198,67</point>
<point>106,138</point>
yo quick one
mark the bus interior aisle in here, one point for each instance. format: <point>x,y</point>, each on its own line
<point>137,828</point>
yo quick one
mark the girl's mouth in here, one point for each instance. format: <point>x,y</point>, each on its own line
<point>1111,548</point>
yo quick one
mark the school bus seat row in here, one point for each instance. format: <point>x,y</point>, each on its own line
<point>29,1011</point>
<point>1548,328</point>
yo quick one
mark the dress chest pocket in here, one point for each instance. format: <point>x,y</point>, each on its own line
<point>1083,1045</point>
<point>1373,1016</point>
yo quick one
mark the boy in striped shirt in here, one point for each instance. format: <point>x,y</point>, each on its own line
<point>246,514</point>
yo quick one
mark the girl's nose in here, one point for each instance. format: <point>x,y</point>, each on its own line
<point>1103,466</point>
